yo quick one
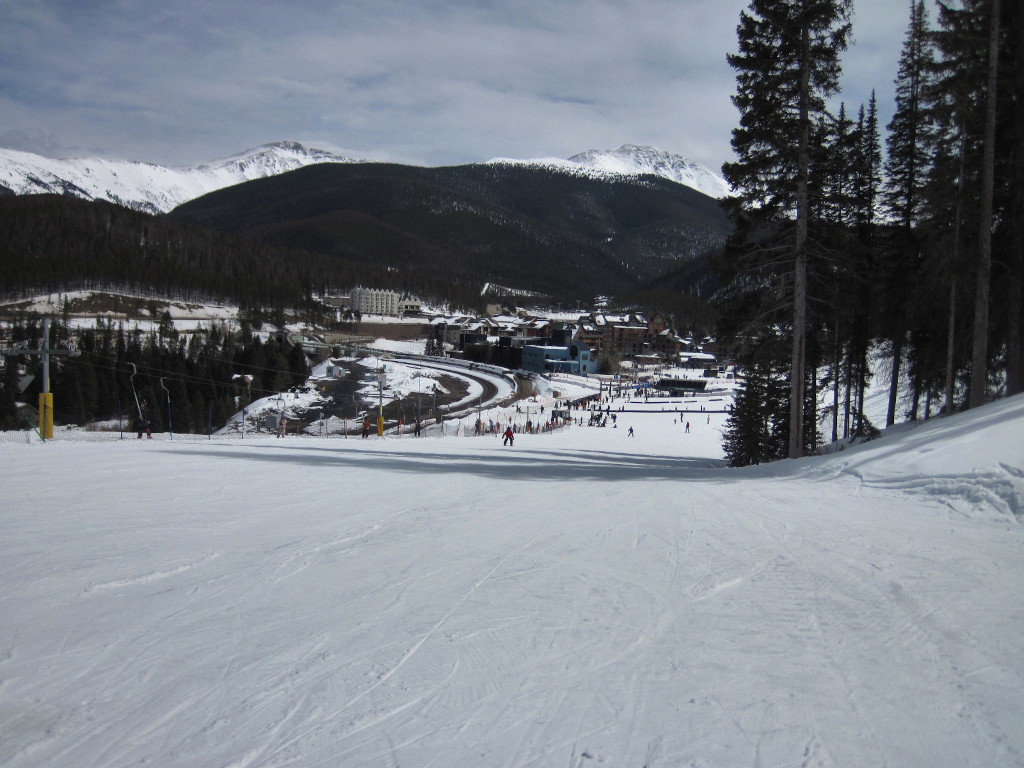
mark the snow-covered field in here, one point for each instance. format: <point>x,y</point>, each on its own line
<point>584,598</point>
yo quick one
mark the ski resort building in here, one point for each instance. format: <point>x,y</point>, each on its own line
<point>372,301</point>
<point>575,358</point>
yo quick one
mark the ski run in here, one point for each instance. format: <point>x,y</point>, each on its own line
<point>583,598</point>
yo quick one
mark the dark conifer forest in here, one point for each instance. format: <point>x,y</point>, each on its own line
<point>208,376</point>
<point>837,251</point>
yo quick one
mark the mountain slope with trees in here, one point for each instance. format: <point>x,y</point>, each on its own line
<point>831,256</point>
<point>57,243</point>
<point>560,234</point>
<point>441,233</point>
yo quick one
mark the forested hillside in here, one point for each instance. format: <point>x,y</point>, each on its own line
<point>59,243</point>
<point>569,236</point>
<point>440,233</point>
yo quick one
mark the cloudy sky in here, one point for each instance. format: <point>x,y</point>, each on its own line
<point>429,82</point>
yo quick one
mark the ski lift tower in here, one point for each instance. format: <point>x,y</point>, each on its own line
<point>45,352</point>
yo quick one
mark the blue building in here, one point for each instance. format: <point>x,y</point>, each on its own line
<point>576,358</point>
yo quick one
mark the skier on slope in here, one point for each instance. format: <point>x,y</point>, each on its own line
<point>144,420</point>
<point>509,436</point>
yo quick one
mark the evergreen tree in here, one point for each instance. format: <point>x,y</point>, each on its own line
<point>909,139</point>
<point>1014,175</point>
<point>787,66</point>
<point>863,271</point>
<point>868,171</point>
<point>298,366</point>
<point>908,145</point>
<point>979,358</point>
<point>972,100</point>
<point>757,430</point>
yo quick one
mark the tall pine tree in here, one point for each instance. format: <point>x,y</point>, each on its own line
<point>787,66</point>
<point>909,143</point>
<point>971,211</point>
<point>979,358</point>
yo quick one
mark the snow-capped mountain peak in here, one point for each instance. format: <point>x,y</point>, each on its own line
<point>638,160</point>
<point>633,160</point>
<point>159,189</point>
<point>148,187</point>
<point>278,157</point>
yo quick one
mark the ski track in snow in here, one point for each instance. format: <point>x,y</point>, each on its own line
<point>583,599</point>
<point>151,576</point>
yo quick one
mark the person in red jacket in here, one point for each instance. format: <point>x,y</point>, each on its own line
<point>509,436</point>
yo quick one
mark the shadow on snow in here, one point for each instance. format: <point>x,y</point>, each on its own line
<point>518,463</point>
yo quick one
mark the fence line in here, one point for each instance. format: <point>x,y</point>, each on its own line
<point>75,434</point>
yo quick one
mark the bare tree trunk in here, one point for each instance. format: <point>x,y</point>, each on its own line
<point>862,385</point>
<point>849,384</point>
<point>813,409</point>
<point>894,379</point>
<point>915,402</point>
<point>796,388</point>
<point>979,359</point>
<point>953,260</point>
<point>947,408</point>
<point>1014,367</point>
<point>836,363</point>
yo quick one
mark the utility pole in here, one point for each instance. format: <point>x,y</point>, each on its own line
<point>433,411</point>
<point>45,397</point>
<point>170,428</point>
<point>381,381</point>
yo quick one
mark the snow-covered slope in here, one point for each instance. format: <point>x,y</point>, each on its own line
<point>582,599</point>
<point>148,187</point>
<point>633,160</point>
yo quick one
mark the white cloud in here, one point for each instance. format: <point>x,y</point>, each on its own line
<point>419,81</point>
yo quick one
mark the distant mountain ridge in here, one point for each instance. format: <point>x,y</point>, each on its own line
<point>565,234</point>
<point>159,189</point>
<point>147,187</point>
<point>440,233</point>
<point>634,160</point>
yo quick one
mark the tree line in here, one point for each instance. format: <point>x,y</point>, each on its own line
<point>54,244</point>
<point>204,377</point>
<point>840,250</point>
<point>278,242</point>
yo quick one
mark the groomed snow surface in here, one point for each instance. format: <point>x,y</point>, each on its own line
<point>582,598</point>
